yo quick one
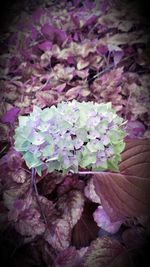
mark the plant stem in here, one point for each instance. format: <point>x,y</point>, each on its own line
<point>37,194</point>
<point>88,172</point>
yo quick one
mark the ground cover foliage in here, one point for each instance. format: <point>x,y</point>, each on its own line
<point>85,51</point>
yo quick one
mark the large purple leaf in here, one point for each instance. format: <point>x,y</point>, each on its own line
<point>127,193</point>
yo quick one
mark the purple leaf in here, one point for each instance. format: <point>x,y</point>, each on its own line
<point>90,192</point>
<point>127,193</point>
<point>59,235</point>
<point>45,46</point>
<point>54,35</point>
<point>10,115</point>
<point>71,206</point>
<point>49,182</point>
<point>12,160</point>
<point>49,30</point>
<point>73,92</point>
<point>68,258</point>
<point>117,56</point>
<point>134,129</point>
<point>69,183</point>
<point>92,20</point>
<point>86,228</point>
<point>102,49</point>
<point>14,192</point>
<point>37,14</point>
<point>27,219</point>
<point>102,252</point>
<point>19,176</point>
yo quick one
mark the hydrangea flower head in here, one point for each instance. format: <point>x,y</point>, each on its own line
<point>71,136</point>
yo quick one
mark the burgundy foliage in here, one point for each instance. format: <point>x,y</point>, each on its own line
<point>127,193</point>
<point>86,229</point>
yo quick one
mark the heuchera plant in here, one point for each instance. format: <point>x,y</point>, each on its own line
<point>71,136</point>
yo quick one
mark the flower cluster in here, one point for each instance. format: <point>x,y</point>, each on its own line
<point>70,136</point>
